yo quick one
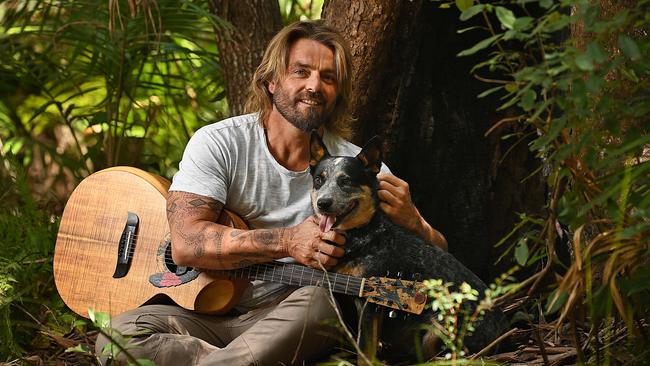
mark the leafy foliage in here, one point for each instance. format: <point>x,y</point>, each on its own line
<point>455,319</point>
<point>587,97</point>
<point>89,84</point>
<point>85,85</point>
<point>295,10</point>
<point>117,345</point>
<point>29,304</point>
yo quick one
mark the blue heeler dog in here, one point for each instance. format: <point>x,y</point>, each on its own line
<point>345,198</point>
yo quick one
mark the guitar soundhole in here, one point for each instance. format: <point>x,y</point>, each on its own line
<point>171,266</point>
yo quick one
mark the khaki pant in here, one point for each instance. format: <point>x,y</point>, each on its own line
<point>292,330</point>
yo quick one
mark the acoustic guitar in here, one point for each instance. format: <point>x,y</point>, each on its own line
<point>113,253</point>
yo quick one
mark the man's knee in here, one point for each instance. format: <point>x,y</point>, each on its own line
<point>106,346</point>
<point>127,331</point>
<point>318,301</point>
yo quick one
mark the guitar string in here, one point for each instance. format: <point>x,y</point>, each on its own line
<point>353,283</point>
<point>278,271</point>
<point>354,286</point>
<point>351,286</point>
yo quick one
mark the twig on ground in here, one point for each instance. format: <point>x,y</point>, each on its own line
<point>340,318</point>
<point>494,343</point>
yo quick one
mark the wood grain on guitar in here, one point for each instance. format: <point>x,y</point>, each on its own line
<point>113,254</point>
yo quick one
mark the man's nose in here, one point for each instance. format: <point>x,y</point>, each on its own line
<point>313,82</point>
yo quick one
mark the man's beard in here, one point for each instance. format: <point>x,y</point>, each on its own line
<point>312,118</point>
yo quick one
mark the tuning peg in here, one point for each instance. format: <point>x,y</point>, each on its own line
<point>416,277</point>
<point>392,314</point>
<point>399,274</point>
<point>387,273</point>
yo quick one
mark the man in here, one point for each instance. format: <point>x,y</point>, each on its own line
<point>256,165</point>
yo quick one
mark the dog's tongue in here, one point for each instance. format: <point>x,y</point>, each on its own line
<point>326,223</point>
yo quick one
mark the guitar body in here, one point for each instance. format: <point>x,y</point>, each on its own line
<point>91,236</point>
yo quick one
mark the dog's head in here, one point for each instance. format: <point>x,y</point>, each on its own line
<point>345,188</point>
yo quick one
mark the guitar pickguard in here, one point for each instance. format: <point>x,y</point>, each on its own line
<point>170,274</point>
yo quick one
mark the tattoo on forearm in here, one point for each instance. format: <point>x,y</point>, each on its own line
<point>266,237</point>
<point>216,238</point>
<point>285,235</point>
<point>196,241</point>
<point>213,205</point>
<point>184,204</point>
<point>172,206</point>
<point>236,233</point>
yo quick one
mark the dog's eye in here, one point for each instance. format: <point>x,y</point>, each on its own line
<point>318,181</point>
<point>344,181</point>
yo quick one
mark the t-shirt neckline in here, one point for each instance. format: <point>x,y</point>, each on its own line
<point>261,131</point>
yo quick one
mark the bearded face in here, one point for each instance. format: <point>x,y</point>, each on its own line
<point>306,94</point>
<point>307,110</point>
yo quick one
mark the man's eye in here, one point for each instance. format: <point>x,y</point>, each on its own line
<point>329,79</point>
<point>300,72</point>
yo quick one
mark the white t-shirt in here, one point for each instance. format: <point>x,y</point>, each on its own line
<point>230,162</point>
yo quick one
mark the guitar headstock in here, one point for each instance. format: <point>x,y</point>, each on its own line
<point>396,293</point>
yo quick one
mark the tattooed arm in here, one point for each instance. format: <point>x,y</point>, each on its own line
<point>200,242</point>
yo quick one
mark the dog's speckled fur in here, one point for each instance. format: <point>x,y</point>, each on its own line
<point>375,245</point>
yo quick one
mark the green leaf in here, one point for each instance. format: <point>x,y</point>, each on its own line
<point>528,100</point>
<point>521,252</point>
<point>584,62</point>
<point>546,3</point>
<point>81,348</point>
<point>470,12</point>
<point>101,320</point>
<point>479,46</point>
<point>522,23</point>
<point>463,5</point>
<point>506,17</point>
<point>552,307</point>
<point>594,83</point>
<point>595,53</point>
<point>489,91</point>
<point>461,31</point>
<point>512,87</point>
<point>629,47</point>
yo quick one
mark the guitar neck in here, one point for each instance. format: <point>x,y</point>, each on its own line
<point>297,275</point>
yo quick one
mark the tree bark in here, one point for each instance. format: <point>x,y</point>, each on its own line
<point>371,28</point>
<point>415,93</point>
<point>241,46</point>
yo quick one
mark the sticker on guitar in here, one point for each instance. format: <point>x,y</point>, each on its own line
<point>171,275</point>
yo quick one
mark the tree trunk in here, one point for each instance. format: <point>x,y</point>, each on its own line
<point>412,90</point>
<point>241,46</point>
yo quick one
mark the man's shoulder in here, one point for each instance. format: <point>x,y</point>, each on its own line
<point>243,124</point>
<point>337,145</point>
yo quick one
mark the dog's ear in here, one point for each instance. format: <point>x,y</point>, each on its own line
<point>317,149</point>
<point>370,156</point>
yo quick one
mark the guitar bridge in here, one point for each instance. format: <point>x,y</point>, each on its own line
<point>126,246</point>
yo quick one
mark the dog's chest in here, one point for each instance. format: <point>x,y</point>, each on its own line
<point>378,249</point>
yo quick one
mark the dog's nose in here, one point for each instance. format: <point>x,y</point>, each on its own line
<point>324,203</point>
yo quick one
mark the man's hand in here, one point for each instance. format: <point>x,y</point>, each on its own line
<point>309,246</point>
<point>395,197</point>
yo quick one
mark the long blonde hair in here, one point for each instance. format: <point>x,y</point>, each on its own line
<point>275,62</point>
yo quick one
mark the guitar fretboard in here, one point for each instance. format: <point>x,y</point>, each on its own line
<point>298,275</point>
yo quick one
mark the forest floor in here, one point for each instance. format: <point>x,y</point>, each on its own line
<point>542,343</point>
